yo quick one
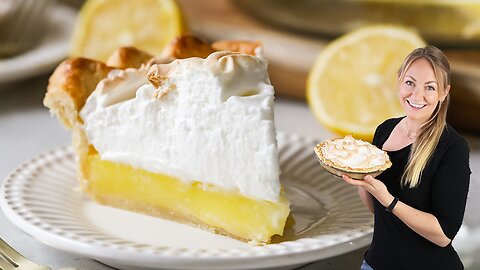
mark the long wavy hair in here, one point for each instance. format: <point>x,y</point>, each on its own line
<point>430,131</point>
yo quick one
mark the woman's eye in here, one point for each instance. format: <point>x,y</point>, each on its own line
<point>430,88</point>
<point>409,83</point>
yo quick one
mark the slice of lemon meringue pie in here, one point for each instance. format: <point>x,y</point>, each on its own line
<point>353,157</point>
<point>192,140</point>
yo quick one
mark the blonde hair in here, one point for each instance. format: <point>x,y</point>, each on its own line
<point>431,131</point>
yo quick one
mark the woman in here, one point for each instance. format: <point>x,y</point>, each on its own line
<point>419,202</point>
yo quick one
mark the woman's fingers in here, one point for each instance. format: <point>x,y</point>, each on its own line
<point>367,183</point>
<point>368,178</point>
<point>371,185</point>
<point>370,181</point>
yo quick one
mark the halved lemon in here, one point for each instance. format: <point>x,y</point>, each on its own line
<point>104,25</point>
<point>352,87</point>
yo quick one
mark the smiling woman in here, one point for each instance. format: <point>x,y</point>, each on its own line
<point>424,85</point>
<point>418,95</point>
<point>419,203</point>
<point>418,90</point>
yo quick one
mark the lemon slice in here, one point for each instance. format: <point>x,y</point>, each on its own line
<point>352,87</point>
<point>104,25</point>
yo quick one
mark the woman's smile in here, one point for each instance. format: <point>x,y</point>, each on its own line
<point>416,105</point>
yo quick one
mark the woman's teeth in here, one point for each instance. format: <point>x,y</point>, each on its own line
<point>415,105</point>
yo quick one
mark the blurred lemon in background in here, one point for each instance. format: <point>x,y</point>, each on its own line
<point>104,25</point>
<point>352,87</point>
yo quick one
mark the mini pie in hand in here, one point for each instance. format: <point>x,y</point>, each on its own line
<point>352,157</point>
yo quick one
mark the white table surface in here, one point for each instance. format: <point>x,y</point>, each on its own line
<point>26,129</point>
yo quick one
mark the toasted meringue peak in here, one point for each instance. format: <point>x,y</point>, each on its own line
<point>235,71</point>
<point>159,73</point>
<point>120,85</point>
<point>240,72</point>
<point>158,76</point>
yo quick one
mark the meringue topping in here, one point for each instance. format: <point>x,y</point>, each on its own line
<point>351,154</point>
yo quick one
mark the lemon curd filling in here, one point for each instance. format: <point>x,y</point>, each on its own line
<point>135,189</point>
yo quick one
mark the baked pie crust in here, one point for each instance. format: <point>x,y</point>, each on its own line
<point>352,157</point>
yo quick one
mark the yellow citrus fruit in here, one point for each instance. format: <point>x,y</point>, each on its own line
<point>352,87</point>
<point>104,25</point>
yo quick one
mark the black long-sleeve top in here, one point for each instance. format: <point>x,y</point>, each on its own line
<point>442,192</point>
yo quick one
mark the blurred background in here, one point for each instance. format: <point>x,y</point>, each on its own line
<point>293,34</point>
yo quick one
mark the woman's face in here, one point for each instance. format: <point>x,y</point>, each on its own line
<point>419,91</point>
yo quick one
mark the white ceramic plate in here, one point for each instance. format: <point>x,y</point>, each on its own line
<point>40,198</point>
<point>48,53</point>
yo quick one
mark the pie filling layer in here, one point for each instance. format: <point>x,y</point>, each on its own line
<point>225,212</point>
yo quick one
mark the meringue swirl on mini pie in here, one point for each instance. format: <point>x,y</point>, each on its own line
<point>351,155</point>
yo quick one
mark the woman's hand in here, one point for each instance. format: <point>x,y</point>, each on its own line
<point>374,186</point>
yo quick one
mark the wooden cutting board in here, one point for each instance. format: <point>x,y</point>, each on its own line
<point>292,55</point>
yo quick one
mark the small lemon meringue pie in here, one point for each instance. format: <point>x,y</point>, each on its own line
<point>352,157</point>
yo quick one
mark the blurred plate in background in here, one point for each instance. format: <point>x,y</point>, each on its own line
<point>47,54</point>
